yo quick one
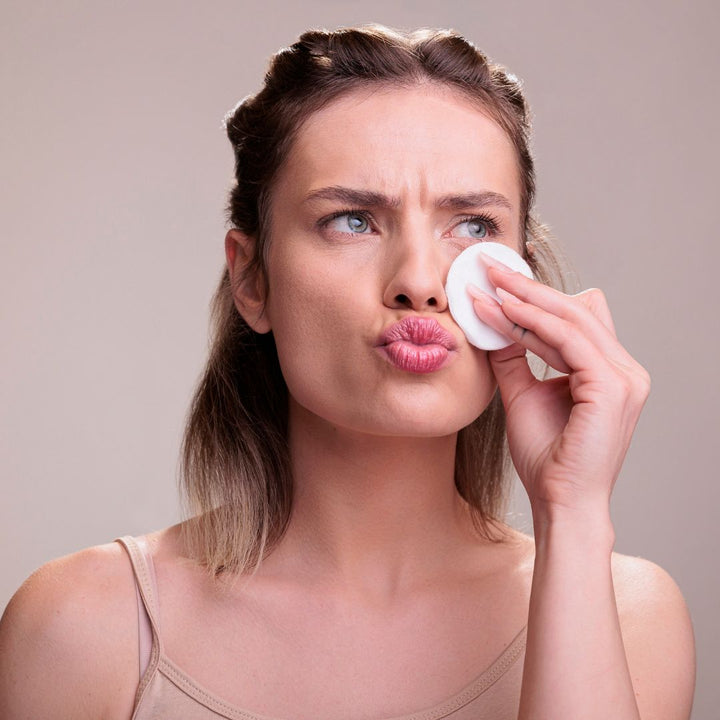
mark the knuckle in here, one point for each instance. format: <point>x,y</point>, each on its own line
<point>644,382</point>
<point>624,387</point>
<point>598,296</point>
<point>592,294</point>
<point>635,387</point>
<point>594,300</point>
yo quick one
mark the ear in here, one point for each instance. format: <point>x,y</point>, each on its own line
<point>248,287</point>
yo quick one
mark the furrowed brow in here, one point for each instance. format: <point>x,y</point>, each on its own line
<point>474,200</point>
<point>369,198</point>
<point>355,198</point>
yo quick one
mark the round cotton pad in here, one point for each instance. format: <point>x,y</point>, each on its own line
<point>467,268</point>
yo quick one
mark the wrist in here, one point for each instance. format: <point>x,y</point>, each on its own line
<point>585,527</point>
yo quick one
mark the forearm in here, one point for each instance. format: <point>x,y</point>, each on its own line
<point>575,664</point>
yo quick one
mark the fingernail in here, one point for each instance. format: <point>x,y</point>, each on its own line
<point>506,297</point>
<point>491,262</point>
<point>475,292</point>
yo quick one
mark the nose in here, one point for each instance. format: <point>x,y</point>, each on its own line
<point>416,272</point>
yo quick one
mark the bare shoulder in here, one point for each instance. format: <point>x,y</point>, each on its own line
<point>646,594</point>
<point>658,636</point>
<point>68,639</point>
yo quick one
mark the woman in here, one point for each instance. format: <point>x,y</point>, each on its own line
<point>346,555</point>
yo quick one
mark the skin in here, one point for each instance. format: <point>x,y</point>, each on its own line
<point>372,448</point>
<point>343,277</point>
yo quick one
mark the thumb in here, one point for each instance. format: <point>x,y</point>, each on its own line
<point>512,372</point>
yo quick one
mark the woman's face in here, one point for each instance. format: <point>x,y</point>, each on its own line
<point>382,189</point>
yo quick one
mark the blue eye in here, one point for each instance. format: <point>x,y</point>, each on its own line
<point>349,222</point>
<point>476,228</point>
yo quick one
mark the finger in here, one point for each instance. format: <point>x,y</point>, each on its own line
<point>576,308</point>
<point>577,350</point>
<point>594,300</point>
<point>491,313</point>
<point>573,343</point>
<point>512,372</point>
<point>587,310</point>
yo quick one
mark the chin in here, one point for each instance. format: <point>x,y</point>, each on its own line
<point>434,416</point>
<point>426,421</point>
<point>412,410</point>
<point>428,425</point>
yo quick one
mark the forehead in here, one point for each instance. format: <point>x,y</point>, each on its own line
<point>409,142</point>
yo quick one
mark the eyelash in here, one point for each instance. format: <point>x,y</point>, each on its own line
<point>348,211</point>
<point>493,225</point>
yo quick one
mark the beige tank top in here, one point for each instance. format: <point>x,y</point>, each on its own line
<point>165,691</point>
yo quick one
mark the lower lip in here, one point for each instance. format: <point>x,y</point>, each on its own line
<point>416,358</point>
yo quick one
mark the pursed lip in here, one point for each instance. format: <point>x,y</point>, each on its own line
<point>419,331</point>
<point>417,344</point>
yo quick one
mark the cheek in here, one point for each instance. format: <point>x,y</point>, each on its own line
<point>307,302</point>
<point>315,320</point>
<point>315,289</point>
<point>480,386</point>
<point>325,323</point>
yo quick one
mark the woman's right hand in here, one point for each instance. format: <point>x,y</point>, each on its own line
<point>568,435</point>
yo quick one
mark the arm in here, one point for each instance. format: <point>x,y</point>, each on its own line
<point>575,663</point>
<point>568,437</point>
<point>619,637</point>
<point>68,641</point>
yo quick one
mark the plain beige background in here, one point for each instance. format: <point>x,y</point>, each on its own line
<point>114,173</point>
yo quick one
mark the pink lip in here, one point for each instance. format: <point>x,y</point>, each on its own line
<point>417,344</point>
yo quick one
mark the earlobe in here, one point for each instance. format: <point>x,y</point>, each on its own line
<point>247,283</point>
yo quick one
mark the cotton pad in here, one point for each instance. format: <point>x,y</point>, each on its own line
<point>467,268</point>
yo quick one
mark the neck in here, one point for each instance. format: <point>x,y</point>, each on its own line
<point>375,514</point>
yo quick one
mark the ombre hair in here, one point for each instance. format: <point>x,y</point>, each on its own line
<point>236,473</point>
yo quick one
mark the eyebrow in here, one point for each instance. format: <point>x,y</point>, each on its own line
<point>369,198</point>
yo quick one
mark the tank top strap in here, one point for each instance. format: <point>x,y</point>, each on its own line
<point>150,645</point>
<point>144,572</point>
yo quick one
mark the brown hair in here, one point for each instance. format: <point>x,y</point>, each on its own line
<point>236,472</point>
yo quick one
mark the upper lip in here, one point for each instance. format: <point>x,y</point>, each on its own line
<point>419,331</point>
